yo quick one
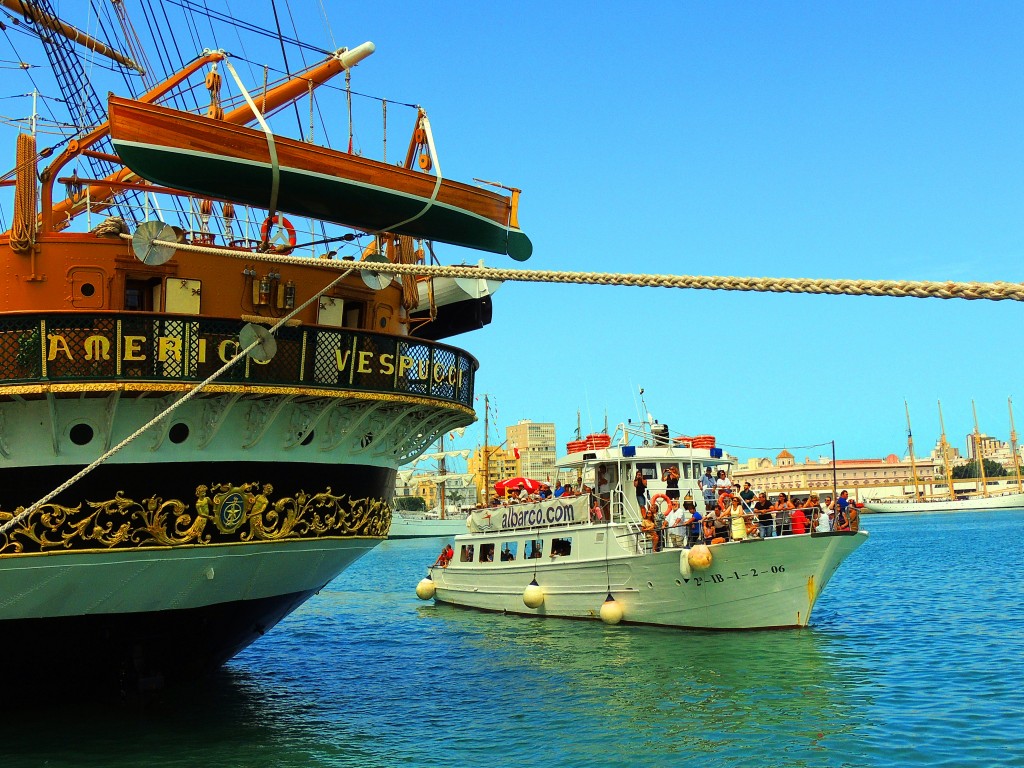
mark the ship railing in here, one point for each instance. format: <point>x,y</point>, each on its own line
<point>143,347</point>
<point>202,221</point>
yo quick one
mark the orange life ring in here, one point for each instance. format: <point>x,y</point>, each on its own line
<point>654,502</point>
<point>283,224</point>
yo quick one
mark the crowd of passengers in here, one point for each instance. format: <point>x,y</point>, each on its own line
<point>737,515</point>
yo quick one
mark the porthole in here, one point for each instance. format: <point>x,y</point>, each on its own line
<point>679,583</point>
<point>88,289</point>
<point>383,322</point>
<point>81,434</point>
<point>178,433</point>
<point>650,585</point>
<point>308,438</point>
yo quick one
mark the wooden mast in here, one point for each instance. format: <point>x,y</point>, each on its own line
<point>910,447</point>
<point>441,472</point>
<point>944,447</point>
<point>979,454</point>
<point>1013,444</point>
<point>487,455</point>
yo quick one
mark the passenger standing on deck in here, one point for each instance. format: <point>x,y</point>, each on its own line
<point>640,486</point>
<point>676,530</point>
<point>707,485</point>
<point>765,518</point>
<point>738,519</point>
<point>671,479</point>
<point>604,489</point>
<point>722,516</point>
<point>798,518</point>
<point>748,497</point>
<point>843,504</point>
<point>722,483</point>
<point>783,508</point>
<point>692,521</point>
<point>659,526</point>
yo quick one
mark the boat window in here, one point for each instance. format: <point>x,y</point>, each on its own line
<point>650,469</point>
<point>466,555</point>
<point>508,551</point>
<point>561,547</point>
<point>534,548</point>
<point>486,553</point>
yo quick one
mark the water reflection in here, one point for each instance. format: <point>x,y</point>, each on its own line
<point>666,688</point>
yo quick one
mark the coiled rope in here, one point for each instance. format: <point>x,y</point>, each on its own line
<point>23,228</point>
<point>920,289</point>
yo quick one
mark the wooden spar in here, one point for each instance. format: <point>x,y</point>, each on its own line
<point>979,454</point>
<point>67,209</point>
<point>910,447</point>
<point>54,24</point>
<point>1013,444</point>
<point>945,454</point>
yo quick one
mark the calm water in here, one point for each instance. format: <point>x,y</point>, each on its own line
<point>916,657</point>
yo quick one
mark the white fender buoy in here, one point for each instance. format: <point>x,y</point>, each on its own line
<point>699,557</point>
<point>684,564</point>
<point>425,589</point>
<point>533,595</point>
<point>611,611</point>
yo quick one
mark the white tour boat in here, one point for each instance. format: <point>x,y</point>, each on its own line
<point>557,557</point>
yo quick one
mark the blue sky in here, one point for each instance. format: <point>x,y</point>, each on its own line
<point>856,140</point>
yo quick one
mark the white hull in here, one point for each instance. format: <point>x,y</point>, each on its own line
<point>749,585</point>
<point>975,504</point>
<point>142,581</point>
<point>424,527</point>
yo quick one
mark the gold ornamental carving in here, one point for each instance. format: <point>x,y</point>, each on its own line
<point>220,514</point>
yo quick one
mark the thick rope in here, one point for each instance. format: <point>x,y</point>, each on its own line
<point>238,357</point>
<point>23,228</point>
<point>920,289</point>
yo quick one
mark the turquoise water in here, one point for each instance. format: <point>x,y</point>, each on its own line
<point>915,657</point>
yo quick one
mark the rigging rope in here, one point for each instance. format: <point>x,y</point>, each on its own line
<point>920,289</point>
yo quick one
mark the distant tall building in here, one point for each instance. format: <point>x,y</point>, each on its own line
<point>989,446</point>
<point>534,444</point>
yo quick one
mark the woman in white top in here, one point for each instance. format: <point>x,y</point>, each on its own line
<point>722,483</point>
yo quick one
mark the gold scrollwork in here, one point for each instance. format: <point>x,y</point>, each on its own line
<point>220,514</point>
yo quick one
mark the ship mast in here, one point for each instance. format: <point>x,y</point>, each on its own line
<point>944,447</point>
<point>487,454</point>
<point>441,473</point>
<point>1013,444</point>
<point>910,447</point>
<point>979,454</point>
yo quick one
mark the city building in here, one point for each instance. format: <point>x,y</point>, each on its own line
<point>786,474</point>
<point>533,444</point>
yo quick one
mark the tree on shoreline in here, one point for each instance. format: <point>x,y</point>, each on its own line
<point>969,471</point>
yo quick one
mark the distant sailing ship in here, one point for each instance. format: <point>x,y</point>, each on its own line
<point>265,475</point>
<point>953,500</point>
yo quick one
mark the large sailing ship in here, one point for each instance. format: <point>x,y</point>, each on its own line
<point>950,498</point>
<point>165,498</point>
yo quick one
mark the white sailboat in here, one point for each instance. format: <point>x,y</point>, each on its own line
<point>446,518</point>
<point>952,499</point>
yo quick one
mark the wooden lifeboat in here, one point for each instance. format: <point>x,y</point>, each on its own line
<point>215,158</point>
